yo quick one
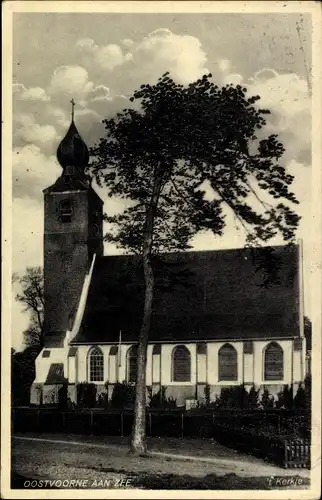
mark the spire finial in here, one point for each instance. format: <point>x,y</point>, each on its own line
<point>73,105</point>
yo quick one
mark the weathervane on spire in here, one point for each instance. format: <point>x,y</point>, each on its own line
<point>73,105</point>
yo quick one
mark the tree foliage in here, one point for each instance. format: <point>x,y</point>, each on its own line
<point>187,136</point>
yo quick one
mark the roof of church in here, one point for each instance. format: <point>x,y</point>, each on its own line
<point>55,374</point>
<point>208,295</point>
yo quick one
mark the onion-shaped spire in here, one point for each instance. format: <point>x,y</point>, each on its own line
<point>72,151</point>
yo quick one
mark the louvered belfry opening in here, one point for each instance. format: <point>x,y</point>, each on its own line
<point>65,210</point>
<point>227,363</point>
<point>132,362</point>
<point>181,364</point>
<point>273,362</point>
<point>96,365</point>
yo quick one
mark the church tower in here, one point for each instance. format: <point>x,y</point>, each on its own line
<point>73,233</point>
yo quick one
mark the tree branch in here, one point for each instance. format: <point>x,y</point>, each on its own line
<point>231,206</point>
<point>181,195</point>
<point>263,203</point>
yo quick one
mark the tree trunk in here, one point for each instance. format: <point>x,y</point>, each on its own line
<point>138,442</point>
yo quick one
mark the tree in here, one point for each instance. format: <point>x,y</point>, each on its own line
<point>161,156</point>
<point>308,332</point>
<point>32,298</point>
<point>22,374</point>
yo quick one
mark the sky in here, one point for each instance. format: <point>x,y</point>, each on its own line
<point>100,59</point>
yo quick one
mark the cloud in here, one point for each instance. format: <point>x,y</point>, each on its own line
<point>32,171</point>
<point>28,226</point>
<point>22,93</point>
<point>70,81</point>
<point>57,116</point>
<point>106,57</point>
<point>224,65</point>
<point>27,251</point>
<point>287,97</point>
<point>108,106</point>
<point>233,78</point>
<point>286,92</point>
<point>127,42</point>
<point>100,93</point>
<point>162,50</point>
<point>26,130</point>
<point>147,59</point>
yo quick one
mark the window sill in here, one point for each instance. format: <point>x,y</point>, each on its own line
<point>272,382</point>
<point>227,382</point>
<point>180,383</point>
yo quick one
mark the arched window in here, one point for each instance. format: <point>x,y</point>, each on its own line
<point>227,362</point>
<point>65,210</point>
<point>273,362</point>
<point>132,363</point>
<point>96,365</point>
<point>181,364</point>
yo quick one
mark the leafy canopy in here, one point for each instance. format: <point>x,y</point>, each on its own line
<point>187,137</point>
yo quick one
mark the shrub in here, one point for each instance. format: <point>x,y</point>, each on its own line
<point>86,395</point>
<point>123,395</point>
<point>63,397</point>
<point>285,398</point>
<point>251,400</point>
<point>232,397</point>
<point>267,400</point>
<point>157,399</point>
<point>300,398</point>
<point>102,400</point>
<point>170,402</point>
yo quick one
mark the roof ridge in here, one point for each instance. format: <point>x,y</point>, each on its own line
<point>192,252</point>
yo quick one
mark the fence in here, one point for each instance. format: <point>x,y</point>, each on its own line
<point>285,450</point>
<point>297,453</point>
<point>282,436</point>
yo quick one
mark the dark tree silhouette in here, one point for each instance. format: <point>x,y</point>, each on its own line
<point>22,374</point>
<point>32,298</point>
<point>161,155</point>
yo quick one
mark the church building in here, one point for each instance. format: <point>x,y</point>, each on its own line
<point>214,324</point>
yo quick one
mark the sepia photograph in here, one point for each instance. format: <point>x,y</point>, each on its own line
<point>162,241</point>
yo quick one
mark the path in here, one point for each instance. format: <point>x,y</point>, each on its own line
<point>61,457</point>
